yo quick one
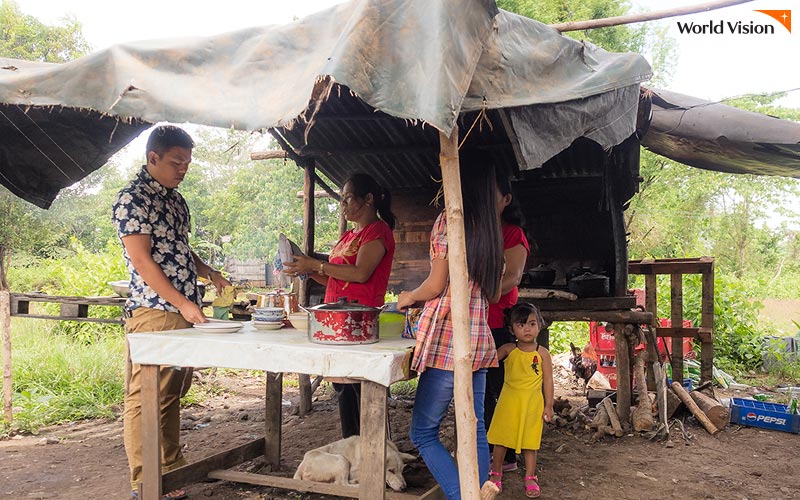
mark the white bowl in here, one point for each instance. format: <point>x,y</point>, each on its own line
<point>299,321</point>
<point>269,313</point>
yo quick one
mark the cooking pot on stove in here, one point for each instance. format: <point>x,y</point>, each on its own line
<point>589,285</point>
<point>578,271</point>
<point>343,323</point>
<point>541,275</point>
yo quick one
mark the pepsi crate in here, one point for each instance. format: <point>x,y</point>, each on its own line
<point>767,415</point>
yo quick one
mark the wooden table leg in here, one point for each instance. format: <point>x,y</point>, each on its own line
<point>150,488</point>
<point>372,484</point>
<point>273,419</point>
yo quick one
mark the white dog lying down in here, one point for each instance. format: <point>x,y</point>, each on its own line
<point>340,462</point>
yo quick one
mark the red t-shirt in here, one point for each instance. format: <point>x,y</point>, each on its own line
<point>512,236</point>
<point>371,292</point>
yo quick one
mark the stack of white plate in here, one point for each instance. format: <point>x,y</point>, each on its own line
<point>219,326</point>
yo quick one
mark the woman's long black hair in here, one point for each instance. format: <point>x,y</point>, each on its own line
<point>363,184</point>
<point>481,223</point>
<point>512,214</point>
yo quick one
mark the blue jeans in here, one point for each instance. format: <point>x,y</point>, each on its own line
<point>434,394</point>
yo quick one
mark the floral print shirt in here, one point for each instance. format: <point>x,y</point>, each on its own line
<point>147,207</point>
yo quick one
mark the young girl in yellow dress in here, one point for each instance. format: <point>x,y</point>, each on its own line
<point>526,399</point>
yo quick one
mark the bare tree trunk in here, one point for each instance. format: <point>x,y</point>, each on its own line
<point>5,258</point>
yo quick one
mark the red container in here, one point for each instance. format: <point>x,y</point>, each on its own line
<point>603,340</point>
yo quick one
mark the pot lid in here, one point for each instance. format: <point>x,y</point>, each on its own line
<point>345,306</point>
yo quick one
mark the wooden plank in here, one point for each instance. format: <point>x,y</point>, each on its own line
<point>592,304</point>
<point>638,317</point>
<point>669,267</point>
<point>664,331</point>
<point>272,419</point>
<point>707,324</point>
<point>651,296</point>
<point>60,318</point>
<point>434,493</point>
<point>198,471</point>
<point>300,486</point>
<point>19,306</point>
<point>67,310</point>
<point>676,318</point>
<point>5,322</point>
<point>70,299</point>
<point>373,441</point>
<point>304,386</point>
<point>150,488</point>
<point>622,351</point>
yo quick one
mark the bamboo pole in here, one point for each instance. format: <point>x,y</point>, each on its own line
<point>466,422</point>
<point>647,16</point>
<point>5,317</point>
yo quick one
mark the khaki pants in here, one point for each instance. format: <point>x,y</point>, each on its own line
<point>174,384</point>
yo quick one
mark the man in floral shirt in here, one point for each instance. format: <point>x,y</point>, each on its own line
<point>153,223</point>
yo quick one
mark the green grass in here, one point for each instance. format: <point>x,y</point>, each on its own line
<point>57,378</point>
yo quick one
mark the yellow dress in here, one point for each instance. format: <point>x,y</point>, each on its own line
<point>517,421</point>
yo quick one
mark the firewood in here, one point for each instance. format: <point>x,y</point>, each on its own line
<point>673,403</point>
<point>642,416</point>
<point>612,415</point>
<point>600,418</point>
<point>560,404</point>
<point>718,414</point>
<point>692,406</point>
<point>489,490</point>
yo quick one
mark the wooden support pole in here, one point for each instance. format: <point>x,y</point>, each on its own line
<point>5,318</point>
<point>647,16</point>
<point>372,484</point>
<point>304,381</point>
<point>692,406</point>
<point>150,488</point>
<point>466,421</point>
<point>622,351</point>
<point>707,323</point>
<point>273,419</point>
<point>676,319</point>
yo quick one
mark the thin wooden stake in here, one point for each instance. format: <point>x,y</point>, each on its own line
<point>5,316</point>
<point>466,422</point>
<point>647,16</point>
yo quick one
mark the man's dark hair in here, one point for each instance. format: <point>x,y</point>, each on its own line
<point>165,137</point>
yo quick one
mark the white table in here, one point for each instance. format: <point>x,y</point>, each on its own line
<point>286,350</point>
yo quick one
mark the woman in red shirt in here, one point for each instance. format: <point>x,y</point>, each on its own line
<point>515,251</point>
<point>358,267</point>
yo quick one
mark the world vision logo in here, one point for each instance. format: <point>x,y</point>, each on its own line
<point>782,16</point>
<point>727,27</point>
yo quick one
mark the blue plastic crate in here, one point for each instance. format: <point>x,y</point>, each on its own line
<point>767,415</point>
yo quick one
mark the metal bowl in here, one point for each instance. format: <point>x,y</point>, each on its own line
<point>120,287</point>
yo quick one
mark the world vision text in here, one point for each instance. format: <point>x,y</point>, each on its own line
<point>725,27</point>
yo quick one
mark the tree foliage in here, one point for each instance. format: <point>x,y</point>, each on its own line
<point>25,37</point>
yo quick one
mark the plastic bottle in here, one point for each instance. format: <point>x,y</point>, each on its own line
<point>793,406</point>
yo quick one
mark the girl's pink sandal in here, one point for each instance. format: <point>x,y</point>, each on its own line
<point>499,482</point>
<point>532,490</point>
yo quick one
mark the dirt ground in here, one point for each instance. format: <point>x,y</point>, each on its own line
<point>86,460</point>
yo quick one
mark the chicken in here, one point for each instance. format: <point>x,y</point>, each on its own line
<point>584,363</point>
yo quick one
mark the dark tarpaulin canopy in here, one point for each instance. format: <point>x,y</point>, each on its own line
<point>714,136</point>
<point>426,61</point>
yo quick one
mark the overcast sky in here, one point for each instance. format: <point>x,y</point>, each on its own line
<point>709,66</point>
